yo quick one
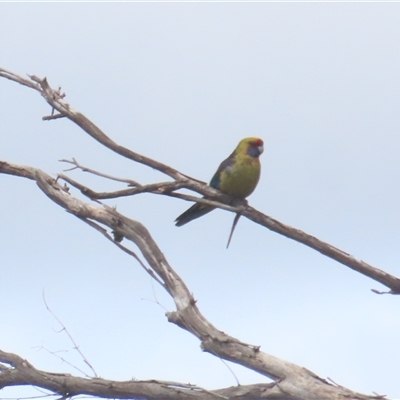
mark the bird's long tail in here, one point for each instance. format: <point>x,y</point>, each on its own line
<point>196,211</point>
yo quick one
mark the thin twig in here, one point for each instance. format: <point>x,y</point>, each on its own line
<point>156,188</point>
<point>53,353</point>
<point>76,347</point>
<point>230,369</point>
<point>130,182</point>
<point>52,117</point>
<point>123,248</point>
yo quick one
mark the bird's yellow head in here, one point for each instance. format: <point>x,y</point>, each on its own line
<point>251,146</point>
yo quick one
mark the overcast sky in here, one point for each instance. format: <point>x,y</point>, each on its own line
<point>183,83</point>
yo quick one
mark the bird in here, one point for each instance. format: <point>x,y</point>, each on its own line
<point>237,176</point>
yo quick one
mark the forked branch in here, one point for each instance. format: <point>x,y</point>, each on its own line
<point>291,381</point>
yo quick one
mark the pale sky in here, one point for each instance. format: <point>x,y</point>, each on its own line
<point>183,83</point>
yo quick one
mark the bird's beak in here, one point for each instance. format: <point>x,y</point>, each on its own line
<point>260,149</point>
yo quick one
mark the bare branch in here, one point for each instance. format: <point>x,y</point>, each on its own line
<point>324,248</point>
<point>19,79</point>
<point>21,372</point>
<point>295,381</point>
<point>56,101</point>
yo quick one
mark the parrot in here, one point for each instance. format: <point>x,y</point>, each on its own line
<point>236,176</point>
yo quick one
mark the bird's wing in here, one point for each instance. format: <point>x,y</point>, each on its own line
<point>224,166</point>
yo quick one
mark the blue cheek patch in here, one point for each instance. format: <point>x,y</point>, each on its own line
<point>253,152</point>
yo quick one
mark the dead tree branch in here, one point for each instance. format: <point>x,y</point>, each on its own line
<point>292,381</point>
<point>16,371</point>
<point>56,100</point>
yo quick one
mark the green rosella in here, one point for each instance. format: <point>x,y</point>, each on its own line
<point>237,176</point>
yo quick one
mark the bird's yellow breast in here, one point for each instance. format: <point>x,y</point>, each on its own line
<point>241,178</point>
